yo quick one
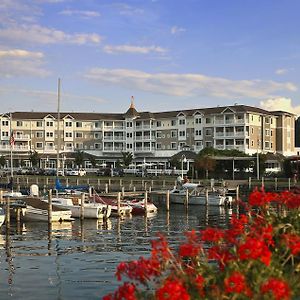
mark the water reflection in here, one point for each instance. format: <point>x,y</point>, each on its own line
<point>78,259</point>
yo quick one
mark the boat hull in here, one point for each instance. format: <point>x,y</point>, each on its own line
<point>36,214</point>
<point>213,200</point>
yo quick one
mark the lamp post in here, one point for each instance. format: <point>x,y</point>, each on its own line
<point>183,159</point>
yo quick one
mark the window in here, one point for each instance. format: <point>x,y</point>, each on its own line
<point>271,145</point>
<point>79,145</point>
<point>158,146</point>
<point>267,145</point>
<point>129,146</point>
<point>97,146</point>
<point>129,134</point>
<point>198,121</point>
<point>19,123</point>
<point>181,133</point>
<point>208,144</point>
<point>68,124</point>
<point>68,134</point>
<point>208,131</point>
<point>252,143</point>
<point>173,146</point>
<point>173,122</point>
<point>5,133</point>
<point>267,120</point>
<point>208,120</point>
<point>181,121</point>
<point>97,124</point>
<point>198,132</point>
<point>181,145</point>
<point>252,130</point>
<point>39,145</point>
<point>158,134</point>
<point>39,123</point>
<point>96,135</point>
<point>49,123</point>
<point>267,132</point>
<point>78,124</point>
<point>39,134</point>
<point>128,124</point>
<point>4,123</point>
<point>173,134</point>
<point>158,124</point>
<point>199,144</point>
<point>79,134</point>
<point>49,134</point>
<point>271,132</point>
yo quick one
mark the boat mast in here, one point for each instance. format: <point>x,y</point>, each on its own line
<point>58,128</point>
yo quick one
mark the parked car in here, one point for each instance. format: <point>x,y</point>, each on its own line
<point>50,172</point>
<point>104,172</point>
<point>75,172</point>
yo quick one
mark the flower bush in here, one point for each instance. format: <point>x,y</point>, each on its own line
<point>257,257</point>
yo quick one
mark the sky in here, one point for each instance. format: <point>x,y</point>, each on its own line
<point>167,54</point>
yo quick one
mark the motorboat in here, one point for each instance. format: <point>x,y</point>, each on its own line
<point>37,210</point>
<point>123,210</point>
<point>89,210</point>
<point>138,206</point>
<point>198,195</point>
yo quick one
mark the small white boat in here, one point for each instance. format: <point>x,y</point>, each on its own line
<point>37,210</point>
<point>197,196</point>
<point>90,210</point>
<point>2,216</point>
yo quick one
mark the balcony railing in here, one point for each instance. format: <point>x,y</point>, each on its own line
<point>15,148</point>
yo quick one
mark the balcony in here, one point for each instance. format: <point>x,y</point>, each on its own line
<point>15,148</point>
<point>22,137</point>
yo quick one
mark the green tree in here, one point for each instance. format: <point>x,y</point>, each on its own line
<point>79,158</point>
<point>93,161</point>
<point>127,158</point>
<point>2,161</point>
<point>34,158</point>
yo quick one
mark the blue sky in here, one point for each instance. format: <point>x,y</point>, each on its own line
<point>168,54</point>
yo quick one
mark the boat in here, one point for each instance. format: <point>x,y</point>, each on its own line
<point>197,195</point>
<point>138,206</point>
<point>37,210</point>
<point>123,210</point>
<point>89,210</point>
<point>2,216</point>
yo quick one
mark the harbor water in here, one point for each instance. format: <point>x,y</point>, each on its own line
<point>77,260</point>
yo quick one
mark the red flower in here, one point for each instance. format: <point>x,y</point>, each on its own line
<point>279,288</point>
<point>124,292</point>
<point>235,283</point>
<point>173,289</point>
<point>189,250</point>
<point>212,234</point>
<point>293,241</point>
<point>254,248</point>
<point>199,282</point>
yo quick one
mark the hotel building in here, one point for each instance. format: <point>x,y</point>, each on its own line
<point>150,136</point>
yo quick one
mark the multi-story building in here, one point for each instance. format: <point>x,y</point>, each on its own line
<point>151,136</point>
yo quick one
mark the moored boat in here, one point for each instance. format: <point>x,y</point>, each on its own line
<point>198,196</point>
<point>89,210</point>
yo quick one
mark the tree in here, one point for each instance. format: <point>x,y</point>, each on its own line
<point>205,163</point>
<point>79,158</point>
<point>2,161</point>
<point>127,158</point>
<point>34,158</point>
<point>93,161</point>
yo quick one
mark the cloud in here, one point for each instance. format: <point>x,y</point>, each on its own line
<point>134,49</point>
<point>43,35</point>
<point>80,13</point>
<point>188,84</point>
<point>125,9</point>
<point>18,62</point>
<point>177,30</point>
<point>19,53</point>
<point>280,103</point>
<point>281,71</point>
